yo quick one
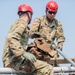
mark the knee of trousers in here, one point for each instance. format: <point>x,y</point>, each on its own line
<point>47,70</point>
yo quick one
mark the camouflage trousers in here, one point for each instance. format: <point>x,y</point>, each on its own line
<point>43,68</point>
<point>37,68</point>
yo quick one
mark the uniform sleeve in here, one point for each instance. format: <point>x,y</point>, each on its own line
<point>14,39</point>
<point>34,27</point>
<point>60,34</point>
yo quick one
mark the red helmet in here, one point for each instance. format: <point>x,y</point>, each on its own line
<point>24,8</point>
<point>52,6</point>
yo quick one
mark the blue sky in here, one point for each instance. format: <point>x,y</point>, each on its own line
<point>66,15</point>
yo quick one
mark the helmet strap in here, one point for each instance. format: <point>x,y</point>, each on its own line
<point>20,13</point>
<point>28,17</point>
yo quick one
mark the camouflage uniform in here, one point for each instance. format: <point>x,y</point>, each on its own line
<point>48,30</point>
<point>14,48</point>
<point>16,42</point>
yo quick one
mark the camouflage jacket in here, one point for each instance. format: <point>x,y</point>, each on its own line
<point>16,41</point>
<point>48,30</point>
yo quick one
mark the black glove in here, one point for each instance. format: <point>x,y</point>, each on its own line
<point>30,57</point>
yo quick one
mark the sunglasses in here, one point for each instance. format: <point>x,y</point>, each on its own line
<point>50,12</point>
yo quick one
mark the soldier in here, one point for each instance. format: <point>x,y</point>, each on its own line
<point>15,55</point>
<point>48,27</point>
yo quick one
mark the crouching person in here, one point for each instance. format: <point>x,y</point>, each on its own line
<point>15,55</point>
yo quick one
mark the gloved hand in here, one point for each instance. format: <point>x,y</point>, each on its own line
<point>30,57</point>
<point>59,46</point>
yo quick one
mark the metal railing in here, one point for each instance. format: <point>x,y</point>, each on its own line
<point>57,71</point>
<point>64,70</point>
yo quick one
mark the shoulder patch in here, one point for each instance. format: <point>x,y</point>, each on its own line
<point>60,30</point>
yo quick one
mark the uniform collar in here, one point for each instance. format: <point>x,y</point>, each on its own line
<point>50,24</point>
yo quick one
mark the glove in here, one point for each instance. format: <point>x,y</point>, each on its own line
<point>59,46</point>
<point>30,57</point>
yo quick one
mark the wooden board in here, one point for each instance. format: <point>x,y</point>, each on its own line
<point>61,60</point>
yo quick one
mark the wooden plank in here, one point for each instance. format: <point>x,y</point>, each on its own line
<point>60,60</point>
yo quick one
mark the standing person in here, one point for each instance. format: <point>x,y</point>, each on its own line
<point>15,55</point>
<point>49,28</point>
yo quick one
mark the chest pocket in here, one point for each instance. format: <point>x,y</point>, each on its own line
<point>44,30</point>
<point>48,31</point>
